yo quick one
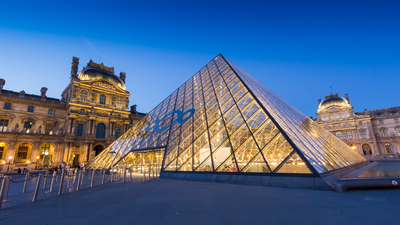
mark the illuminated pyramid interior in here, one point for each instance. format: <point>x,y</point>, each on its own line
<point>222,120</point>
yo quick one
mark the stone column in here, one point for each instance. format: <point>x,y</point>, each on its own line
<point>68,126</point>
<point>93,127</point>
<point>73,126</point>
<point>89,127</point>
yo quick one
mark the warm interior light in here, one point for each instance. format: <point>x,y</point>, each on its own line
<point>37,157</point>
<point>10,157</point>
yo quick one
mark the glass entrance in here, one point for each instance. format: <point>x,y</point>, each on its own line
<point>142,161</point>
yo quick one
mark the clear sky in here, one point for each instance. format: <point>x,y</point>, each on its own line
<point>298,49</point>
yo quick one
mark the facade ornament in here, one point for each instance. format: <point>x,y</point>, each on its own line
<point>126,102</point>
<point>122,75</point>
<point>113,99</point>
<point>74,67</point>
<point>101,66</point>
<point>2,83</point>
<point>16,128</point>
<point>39,129</point>
<point>75,92</point>
<point>93,95</point>
<point>43,91</point>
<point>22,93</point>
<point>60,131</point>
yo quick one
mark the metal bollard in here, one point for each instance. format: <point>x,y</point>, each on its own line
<point>25,182</point>
<point>93,173</point>
<point>61,182</point>
<point>144,176</point>
<point>130,172</point>
<point>83,175</point>
<point>112,175</point>
<point>8,190</point>
<point>3,189</point>
<point>69,178</point>
<point>75,171</point>
<point>78,185</point>
<point>153,172</point>
<point>149,173</point>
<point>45,179</point>
<point>104,176</point>
<point>124,175</point>
<point>52,181</point>
<point>35,194</point>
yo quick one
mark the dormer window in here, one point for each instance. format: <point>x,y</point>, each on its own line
<point>325,117</point>
<point>84,95</point>
<point>345,115</point>
<point>119,103</point>
<point>335,116</point>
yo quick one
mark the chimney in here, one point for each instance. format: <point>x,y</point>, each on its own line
<point>122,75</point>
<point>347,97</point>
<point>133,109</point>
<point>2,83</point>
<point>74,67</point>
<point>319,100</point>
<point>43,91</point>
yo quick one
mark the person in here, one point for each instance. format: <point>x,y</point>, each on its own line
<point>19,171</point>
<point>56,169</point>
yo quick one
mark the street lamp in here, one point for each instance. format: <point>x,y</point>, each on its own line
<point>37,162</point>
<point>9,163</point>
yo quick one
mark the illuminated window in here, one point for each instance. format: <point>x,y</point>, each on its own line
<point>82,112</point>
<point>380,121</point>
<point>44,150</point>
<point>398,131</point>
<point>3,125</point>
<point>7,105</point>
<point>102,99</point>
<point>2,145</point>
<point>339,135</point>
<point>388,148</point>
<point>384,132</point>
<point>48,128</point>
<point>51,111</point>
<point>23,151</point>
<point>100,131</point>
<point>349,135</point>
<point>79,131</point>
<point>119,103</point>
<point>84,95</point>
<point>363,134</point>
<point>30,108</point>
<point>117,132</point>
<point>27,126</point>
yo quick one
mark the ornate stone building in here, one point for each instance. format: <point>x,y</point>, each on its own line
<point>92,113</point>
<point>372,133</point>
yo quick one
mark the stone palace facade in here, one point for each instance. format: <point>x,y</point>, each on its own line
<point>372,133</point>
<point>37,130</point>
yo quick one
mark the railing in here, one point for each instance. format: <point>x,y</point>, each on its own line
<point>66,180</point>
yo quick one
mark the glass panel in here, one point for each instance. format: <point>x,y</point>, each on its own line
<point>294,165</point>
<point>200,155</point>
<point>234,124</point>
<point>257,165</point>
<point>240,136</point>
<point>244,101</point>
<point>185,155</point>
<point>228,166</point>
<point>265,133</point>
<point>222,153</point>
<point>218,139</point>
<point>276,151</point>
<point>250,109</point>
<point>171,166</point>
<point>246,153</point>
<point>187,166</point>
<point>206,165</point>
<point>216,127</point>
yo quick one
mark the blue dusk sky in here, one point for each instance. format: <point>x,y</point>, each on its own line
<point>298,49</point>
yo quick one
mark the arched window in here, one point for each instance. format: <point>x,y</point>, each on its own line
<point>388,148</point>
<point>339,135</point>
<point>119,103</point>
<point>23,151</point>
<point>44,150</point>
<point>363,134</point>
<point>100,131</point>
<point>2,149</point>
<point>84,95</point>
<point>366,149</point>
<point>102,99</point>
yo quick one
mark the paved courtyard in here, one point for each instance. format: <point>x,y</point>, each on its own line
<point>162,201</point>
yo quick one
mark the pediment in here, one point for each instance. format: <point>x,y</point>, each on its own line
<point>103,84</point>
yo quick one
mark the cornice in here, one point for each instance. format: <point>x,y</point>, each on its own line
<point>33,102</point>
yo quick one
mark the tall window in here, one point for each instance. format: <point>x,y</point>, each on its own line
<point>388,148</point>
<point>334,116</point>
<point>30,108</point>
<point>82,112</point>
<point>349,136</point>
<point>102,99</point>
<point>119,116</point>
<point>339,135</point>
<point>100,131</point>
<point>325,117</point>
<point>23,151</point>
<point>84,95</point>
<point>51,111</point>
<point>79,131</point>
<point>27,126</point>
<point>366,149</point>
<point>363,134</point>
<point>119,102</point>
<point>3,125</point>
<point>396,120</point>
<point>398,131</point>
<point>7,105</point>
<point>130,121</point>
<point>360,123</point>
<point>345,115</point>
<point>2,145</point>
<point>380,121</point>
<point>384,132</point>
<point>48,129</point>
<point>117,132</point>
<point>44,150</point>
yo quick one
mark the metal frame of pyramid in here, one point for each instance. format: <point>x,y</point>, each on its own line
<point>223,121</point>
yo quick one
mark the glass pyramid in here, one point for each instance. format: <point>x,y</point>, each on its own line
<point>223,120</point>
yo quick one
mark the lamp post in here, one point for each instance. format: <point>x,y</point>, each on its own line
<point>9,163</point>
<point>37,162</point>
